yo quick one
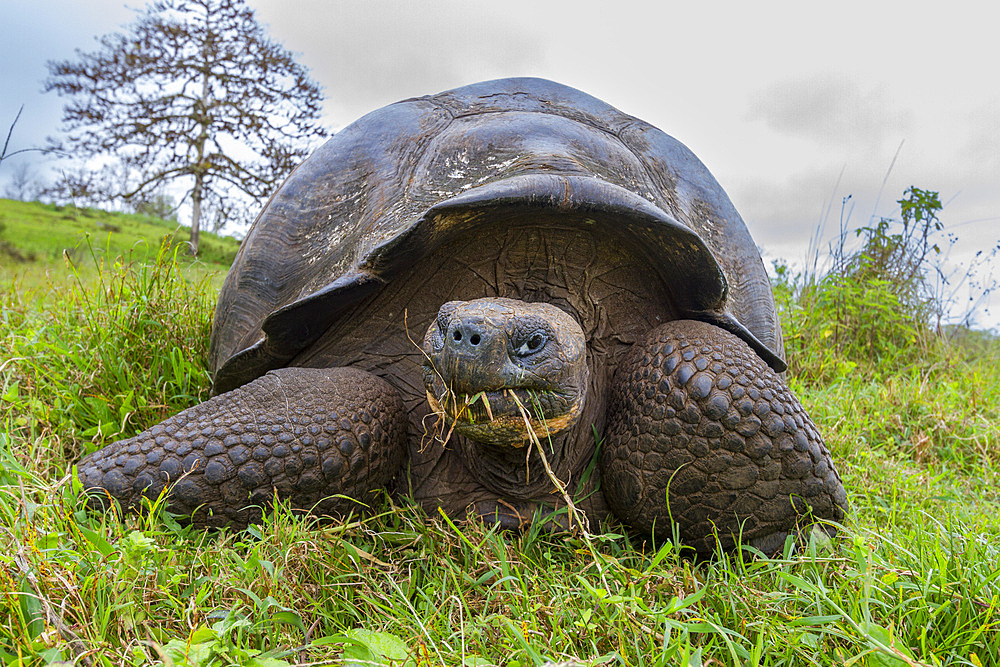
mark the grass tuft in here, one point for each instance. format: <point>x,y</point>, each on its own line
<point>106,358</point>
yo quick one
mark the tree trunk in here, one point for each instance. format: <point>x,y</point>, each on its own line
<point>201,113</point>
<point>196,212</point>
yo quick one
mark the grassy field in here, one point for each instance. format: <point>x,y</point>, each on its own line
<point>38,240</point>
<point>913,578</point>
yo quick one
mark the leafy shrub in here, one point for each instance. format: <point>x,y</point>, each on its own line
<point>877,308</point>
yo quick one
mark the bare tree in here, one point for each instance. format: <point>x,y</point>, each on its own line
<point>93,185</point>
<point>22,183</point>
<point>6,144</point>
<point>5,153</point>
<point>193,91</point>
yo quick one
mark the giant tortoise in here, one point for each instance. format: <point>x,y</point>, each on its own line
<point>496,300</point>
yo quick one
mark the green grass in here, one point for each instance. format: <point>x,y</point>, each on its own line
<point>913,577</point>
<point>40,239</point>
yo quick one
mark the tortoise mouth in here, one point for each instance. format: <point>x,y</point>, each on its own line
<point>509,416</point>
<point>503,371</point>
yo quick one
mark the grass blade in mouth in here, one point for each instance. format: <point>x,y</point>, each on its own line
<point>481,396</point>
<point>465,406</point>
<point>574,513</point>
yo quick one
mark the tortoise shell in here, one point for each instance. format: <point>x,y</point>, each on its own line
<point>393,195</point>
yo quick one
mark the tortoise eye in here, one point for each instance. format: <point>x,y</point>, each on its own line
<point>535,342</point>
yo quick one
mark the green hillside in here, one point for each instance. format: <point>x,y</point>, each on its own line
<point>36,240</point>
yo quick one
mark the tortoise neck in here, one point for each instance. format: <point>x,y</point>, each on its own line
<point>521,473</point>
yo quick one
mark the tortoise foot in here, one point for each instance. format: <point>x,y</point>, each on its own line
<point>320,439</point>
<point>703,434</point>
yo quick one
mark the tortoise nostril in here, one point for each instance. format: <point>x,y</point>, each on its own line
<point>468,337</point>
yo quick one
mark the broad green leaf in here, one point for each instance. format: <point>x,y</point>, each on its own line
<point>98,540</point>
<point>289,618</point>
<point>189,654</point>
<point>369,647</point>
<point>886,637</point>
<point>11,393</point>
<point>31,609</point>
<point>266,661</point>
<point>475,661</point>
<point>202,635</point>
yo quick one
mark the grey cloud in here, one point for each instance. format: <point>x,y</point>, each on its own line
<point>982,149</point>
<point>831,110</point>
<point>372,58</point>
<point>785,216</point>
<point>776,211</point>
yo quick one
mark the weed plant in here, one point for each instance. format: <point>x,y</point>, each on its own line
<point>911,579</point>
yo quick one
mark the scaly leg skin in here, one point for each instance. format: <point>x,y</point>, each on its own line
<point>316,438</point>
<point>698,418</point>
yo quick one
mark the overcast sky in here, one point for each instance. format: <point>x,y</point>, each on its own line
<point>793,106</point>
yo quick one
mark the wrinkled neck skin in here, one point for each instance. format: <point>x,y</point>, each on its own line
<point>518,473</point>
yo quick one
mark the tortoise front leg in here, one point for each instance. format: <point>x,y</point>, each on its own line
<point>316,438</point>
<point>702,433</point>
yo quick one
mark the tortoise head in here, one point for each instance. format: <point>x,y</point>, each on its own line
<point>495,368</point>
